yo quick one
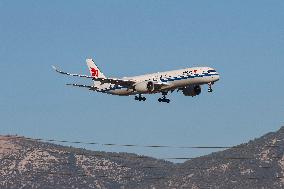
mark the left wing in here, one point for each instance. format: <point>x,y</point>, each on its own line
<point>92,88</point>
<point>121,82</point>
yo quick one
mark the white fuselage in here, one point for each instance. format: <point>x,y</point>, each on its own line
<point>173,79</point>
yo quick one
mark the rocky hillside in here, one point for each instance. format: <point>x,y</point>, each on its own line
<point>256,164</point>
<point>28,163</point>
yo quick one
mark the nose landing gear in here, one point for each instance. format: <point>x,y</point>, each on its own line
<point>140,98</point>
<point>210,90</point>
<point>164,98</point>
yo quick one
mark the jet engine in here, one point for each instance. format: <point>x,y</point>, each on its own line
<point>192,90</point>
<point>144,87</point>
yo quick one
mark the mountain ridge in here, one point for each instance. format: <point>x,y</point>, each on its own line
<point>29,163</point>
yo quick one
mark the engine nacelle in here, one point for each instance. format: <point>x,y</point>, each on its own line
<point>145,87</point>
<point>192,90</point>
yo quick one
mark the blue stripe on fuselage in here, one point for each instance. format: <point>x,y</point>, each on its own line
<point>186,77</point>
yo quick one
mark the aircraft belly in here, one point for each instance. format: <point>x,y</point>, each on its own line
<point>182,83</point>
<point>199,81</point>
<point>191,81</point>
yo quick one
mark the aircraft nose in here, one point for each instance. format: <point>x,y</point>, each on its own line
<point>216,77</point>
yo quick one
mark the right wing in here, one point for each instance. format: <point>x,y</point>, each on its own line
<point>121,82</point>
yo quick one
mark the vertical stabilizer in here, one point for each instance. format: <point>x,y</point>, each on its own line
<point>94,70</point>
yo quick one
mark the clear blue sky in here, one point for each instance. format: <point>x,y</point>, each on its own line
<point>243,40</point>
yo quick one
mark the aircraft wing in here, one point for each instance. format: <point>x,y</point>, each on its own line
<point>121,82</point>
<point>93,88</point>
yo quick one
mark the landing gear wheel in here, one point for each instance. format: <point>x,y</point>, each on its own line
<point>164,98</point>
<point>140,98</point>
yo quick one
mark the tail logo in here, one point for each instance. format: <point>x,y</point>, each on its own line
<point>95,72</point>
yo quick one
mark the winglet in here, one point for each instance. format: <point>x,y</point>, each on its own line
<point>53,67</point>
<point>57,70</point>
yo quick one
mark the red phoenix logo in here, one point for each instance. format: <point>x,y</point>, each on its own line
<point>95,72</point>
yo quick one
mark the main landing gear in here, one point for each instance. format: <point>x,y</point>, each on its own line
<point>164,98</point>
<point>210,90</point>
<point>140,98</point>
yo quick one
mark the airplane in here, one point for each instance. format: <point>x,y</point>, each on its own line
<point>188,80</point>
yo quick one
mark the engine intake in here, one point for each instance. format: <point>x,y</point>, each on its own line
<point>192,90</point>
<point>145,87</point>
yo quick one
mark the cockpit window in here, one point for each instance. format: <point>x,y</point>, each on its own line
<point>209,71</point>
